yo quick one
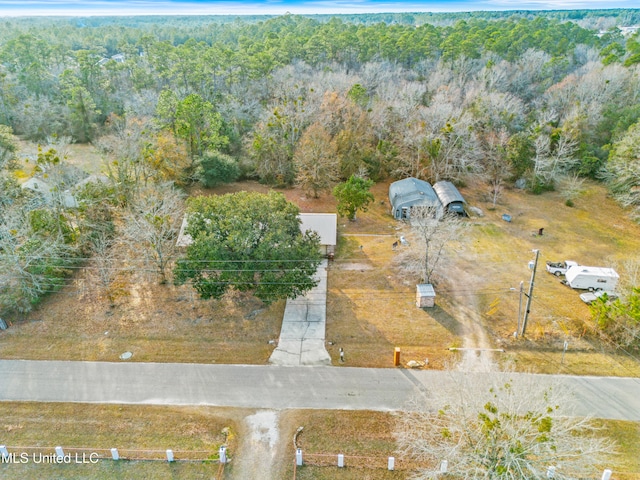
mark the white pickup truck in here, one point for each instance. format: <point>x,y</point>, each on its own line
<point>560,268</point>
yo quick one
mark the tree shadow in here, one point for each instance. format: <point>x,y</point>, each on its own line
<point>446,320</point>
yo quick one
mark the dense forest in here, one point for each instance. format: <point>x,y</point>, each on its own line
<point>541,100</point>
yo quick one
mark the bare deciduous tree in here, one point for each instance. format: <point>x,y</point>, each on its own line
<point>123,152</point>
<point>571,186</point>
<point>496,167</point>
<point>500,426</point>
<point>30,265</point>
<point>104,265</point>
<point>554,154</point>
<point>316,161</point>
<point>431,234</point>
<point>152,223</point>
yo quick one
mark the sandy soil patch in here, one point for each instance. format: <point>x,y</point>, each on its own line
<point>259,447</point>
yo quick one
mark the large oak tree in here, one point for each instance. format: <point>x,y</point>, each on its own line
<point>249,242</point>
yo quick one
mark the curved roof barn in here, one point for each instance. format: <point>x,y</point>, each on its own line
<point>452,200</point>
<point>410,192</point>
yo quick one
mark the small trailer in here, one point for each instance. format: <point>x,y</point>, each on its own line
<point>560,268</point>
<point>591,278</point>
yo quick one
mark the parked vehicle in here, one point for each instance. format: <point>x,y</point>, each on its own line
<point>591,278</point>
<point>560,268</point>
<point>590,297</point>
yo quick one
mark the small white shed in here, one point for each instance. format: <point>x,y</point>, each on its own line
<point>425,295</point>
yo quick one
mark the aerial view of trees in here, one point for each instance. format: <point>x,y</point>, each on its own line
<point>542,99</point>
<point>248,242</point>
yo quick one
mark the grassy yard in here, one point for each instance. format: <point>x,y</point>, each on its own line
<point>371,311</point>
<point>364,438</point>
<point>142,434</point>
<point>371,300</point>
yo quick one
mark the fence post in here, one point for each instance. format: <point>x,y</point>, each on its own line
<point>223,454</point>
<point>59,453</point>
<point>114,454</point>
<point>299,457</point>
<point>391,463</point>
<point>169,455</point>
<point>340,460</point>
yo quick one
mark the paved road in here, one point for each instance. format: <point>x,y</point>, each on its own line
<point>271,386</point>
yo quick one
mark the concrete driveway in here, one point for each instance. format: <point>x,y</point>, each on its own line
<point>303,329</point>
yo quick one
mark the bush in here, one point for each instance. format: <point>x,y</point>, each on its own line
<point>217,168</point>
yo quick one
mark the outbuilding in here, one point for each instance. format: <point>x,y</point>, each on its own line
<point>451,199</point>
<point>412,192</point>
<point>425,295</point>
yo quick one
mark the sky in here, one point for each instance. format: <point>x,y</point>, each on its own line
<point>278,7</point>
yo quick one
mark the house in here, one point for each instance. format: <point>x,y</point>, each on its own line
<point>38,185</point>
<point>70,175</point>
<point>451,199</point>
<point>325,225</point>
<point>118,58</point>
<point>411,192</point>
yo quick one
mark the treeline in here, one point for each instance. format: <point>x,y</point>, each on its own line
<point>533,100</point>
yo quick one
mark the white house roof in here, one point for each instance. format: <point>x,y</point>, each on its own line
<point>325,224</point>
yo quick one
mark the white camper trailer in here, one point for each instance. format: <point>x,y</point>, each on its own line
<point>591,278</point>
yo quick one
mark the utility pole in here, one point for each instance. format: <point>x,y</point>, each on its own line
<point>520,308</point>
<point>530,294</point>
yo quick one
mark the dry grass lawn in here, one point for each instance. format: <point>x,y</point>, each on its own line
<point>370,306</point>
<point>365,438</point>
<point>137,431</point>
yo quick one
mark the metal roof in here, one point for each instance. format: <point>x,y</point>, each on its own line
<point>411,190</point>
<point>447,192</point>
<point>425,290</point>
<point>325,224</point>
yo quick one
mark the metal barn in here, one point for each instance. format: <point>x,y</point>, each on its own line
<point>451,199</point>
<point>411,192</point>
